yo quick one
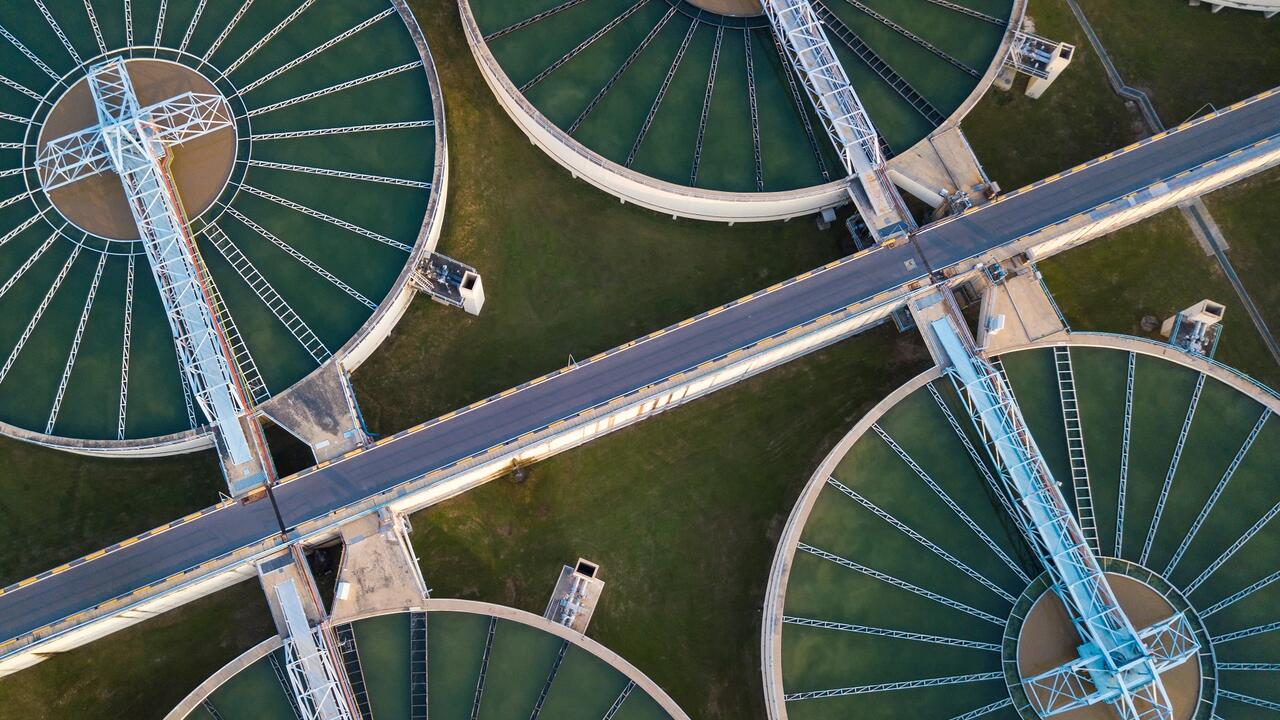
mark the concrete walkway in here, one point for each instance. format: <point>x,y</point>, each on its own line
<point>1195,212</point>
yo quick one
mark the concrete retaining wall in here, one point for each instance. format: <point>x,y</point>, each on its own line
<point>617,662</point>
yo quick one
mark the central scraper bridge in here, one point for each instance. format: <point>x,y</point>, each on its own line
<point>135,142</point>
<point>196,555</point>
<point>842,113</point>
<point>1117,663</point>
<point>848,124</point>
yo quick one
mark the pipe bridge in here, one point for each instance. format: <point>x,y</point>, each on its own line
<point>70,605</point>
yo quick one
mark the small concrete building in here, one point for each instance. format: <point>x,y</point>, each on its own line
<point>1197,328</point>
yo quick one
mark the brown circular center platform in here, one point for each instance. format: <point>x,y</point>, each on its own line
<point>200,167</point>
<point>1048,639</point>
<point>732,8</point>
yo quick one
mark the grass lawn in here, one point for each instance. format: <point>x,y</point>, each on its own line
<point>1248,214</point>
<point>1184,57</point>
<point>142,672</point>
<point>567,268</point>
<point>1020,140</point>
<point>1153,268</point>
<point>683,512</point>
<point>55,506</point>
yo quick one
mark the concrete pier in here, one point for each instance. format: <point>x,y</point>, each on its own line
<point>1028,312</point>
<point>321,411</point>
<point>379,571</point>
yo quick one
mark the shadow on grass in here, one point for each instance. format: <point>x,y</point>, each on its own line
<point>142,672</point>
<point>1152,269</point>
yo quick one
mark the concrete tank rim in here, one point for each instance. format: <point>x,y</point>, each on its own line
<point>430,605</point>
<point>354,351</point>
<point>719,205</point>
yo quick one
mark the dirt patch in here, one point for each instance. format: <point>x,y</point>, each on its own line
<point>200,167</point>
<point>1048,639</point>
<point>732,8</point>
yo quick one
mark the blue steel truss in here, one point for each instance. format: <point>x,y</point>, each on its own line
<point>797,25</point>
<point>1118,664</point>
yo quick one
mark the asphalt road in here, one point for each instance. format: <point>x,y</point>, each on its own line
<point>591,384</point>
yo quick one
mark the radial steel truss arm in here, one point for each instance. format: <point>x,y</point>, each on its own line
<point>1118,664</point>
<point>890,686</point>
<point>984,710</point>
<point>890,633</point>
<point>169,122</point>
<point>842,113</point>
<point>134,143</point>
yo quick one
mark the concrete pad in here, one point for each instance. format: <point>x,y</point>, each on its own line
<point>320,411</point>
<point>945,161</point>
<point>378,567</point>
<point>1028,311</point>
<point>578,591</point>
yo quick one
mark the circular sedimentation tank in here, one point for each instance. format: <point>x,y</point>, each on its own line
<point>309,214</point>
<point>900,564</point>
<point>450,659</point>
<point>690,108</point>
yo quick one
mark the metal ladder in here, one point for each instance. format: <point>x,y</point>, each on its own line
<point>551,678</point>
<point>706,105</point>
<point>283,678</point>
<point>755,111</point>
<point>899,84</point>
<point>904,32</point>
<point>1124,454</point>
<point>963,10</point>
<point>484,668</point>
<point>418,666</point>
<point>801,106</point>
<point>209,708</point>
<point>265,292</point>
<point>662,93</point>
<point>245,365</point>
<point>622,697</point>
<point>1075,446</point>
<point>351,666</point>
